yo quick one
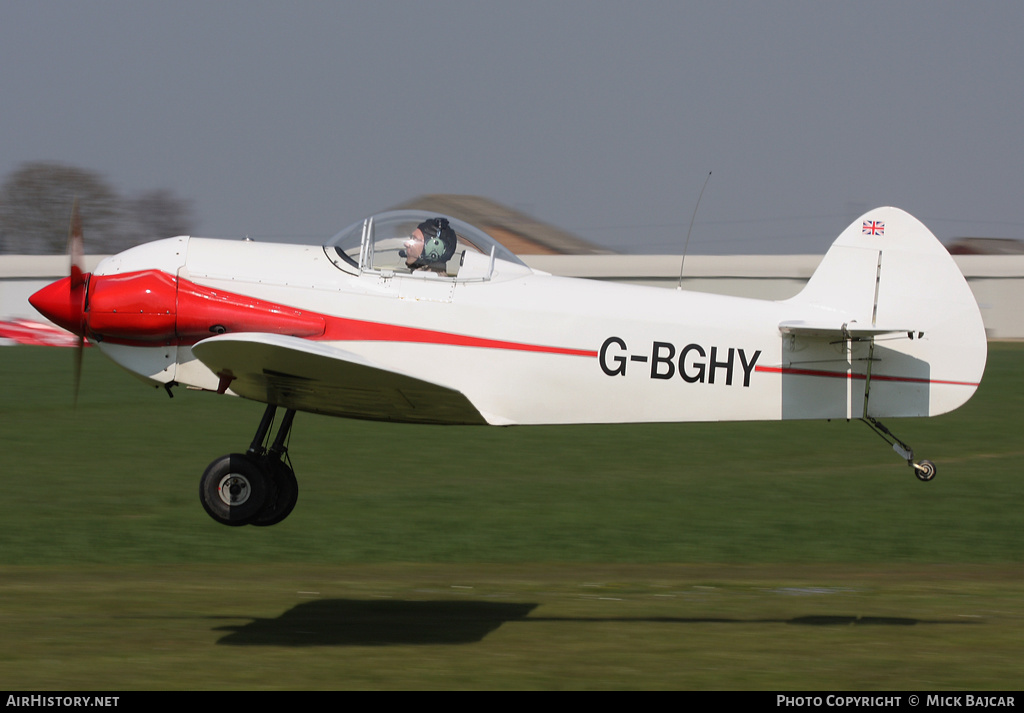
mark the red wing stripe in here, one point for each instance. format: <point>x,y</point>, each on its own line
<point>846,375</point>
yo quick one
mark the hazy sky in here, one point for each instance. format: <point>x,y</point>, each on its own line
<point>604,118</point>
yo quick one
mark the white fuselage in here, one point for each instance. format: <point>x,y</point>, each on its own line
<point>531,348</point>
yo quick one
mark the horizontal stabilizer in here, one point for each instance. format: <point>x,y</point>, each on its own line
<point>846,330</point>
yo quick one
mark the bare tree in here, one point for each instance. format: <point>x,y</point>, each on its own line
<point>35,211</point>
<point>159,214</point>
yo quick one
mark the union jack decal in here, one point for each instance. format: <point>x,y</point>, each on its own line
<point>874,227</point>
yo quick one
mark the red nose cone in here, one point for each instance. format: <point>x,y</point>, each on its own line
<point>63,304</point>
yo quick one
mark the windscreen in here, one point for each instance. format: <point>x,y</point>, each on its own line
<point>390,241</point>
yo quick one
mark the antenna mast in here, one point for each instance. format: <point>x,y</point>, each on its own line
<point>692,218</point>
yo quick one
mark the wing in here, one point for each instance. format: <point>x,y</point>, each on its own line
<point>310,376</point>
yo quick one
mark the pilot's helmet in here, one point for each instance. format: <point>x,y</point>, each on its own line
<point>438,241</point>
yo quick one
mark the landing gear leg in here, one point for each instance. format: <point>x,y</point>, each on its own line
<point>279,473</point>
<point>924,470</point>
<point>254,488</point>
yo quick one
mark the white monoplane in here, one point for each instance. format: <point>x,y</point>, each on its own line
<point>409,316</point>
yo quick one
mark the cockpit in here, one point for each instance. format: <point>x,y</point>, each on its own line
<point>417,241</point>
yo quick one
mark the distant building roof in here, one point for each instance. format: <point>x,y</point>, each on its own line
<point>517,231</point>
<point>986,246</point>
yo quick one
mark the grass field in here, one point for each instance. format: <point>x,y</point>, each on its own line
<point>788,556</point>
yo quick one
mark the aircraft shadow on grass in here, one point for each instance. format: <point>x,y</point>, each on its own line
<point>353,622</point>
<point>379,622</point>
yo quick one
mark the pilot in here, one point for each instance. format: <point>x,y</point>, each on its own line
<point>430,246</point>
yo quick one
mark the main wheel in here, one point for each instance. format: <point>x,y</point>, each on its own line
<point>925,470</point>
<point>286,493</point>
<point>233,489</point>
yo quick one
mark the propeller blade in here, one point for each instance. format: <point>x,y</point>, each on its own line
<point>76,247</point>
<point>79,350</point>
<point>76,251</point>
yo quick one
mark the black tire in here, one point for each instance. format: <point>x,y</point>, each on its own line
<point>285,494</point>
<point>925,471</point>
<point>233,489</point>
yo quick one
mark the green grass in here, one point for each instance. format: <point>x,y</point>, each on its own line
<point>116,481</point>
<point>574,626</point>
<point>763,555</point>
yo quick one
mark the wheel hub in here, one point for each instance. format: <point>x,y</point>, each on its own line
<point>234,489</point>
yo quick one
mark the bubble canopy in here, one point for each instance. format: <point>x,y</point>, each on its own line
<point>379,243</point>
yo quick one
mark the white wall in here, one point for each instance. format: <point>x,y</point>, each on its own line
<point>997,280</point>
<point>21,275</point>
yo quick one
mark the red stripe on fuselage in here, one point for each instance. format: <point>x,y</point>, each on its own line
<point>355,330</point>
<point>850,375</point>
<point>193,312</point>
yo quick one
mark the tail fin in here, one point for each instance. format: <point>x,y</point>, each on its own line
<point>890,296</point>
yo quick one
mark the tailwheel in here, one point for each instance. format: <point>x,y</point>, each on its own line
<point>925,470</point>
<point>233,490</point>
